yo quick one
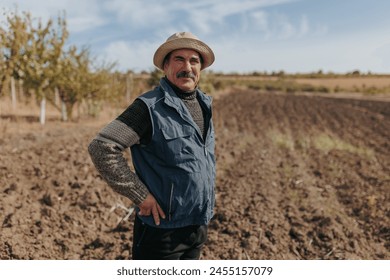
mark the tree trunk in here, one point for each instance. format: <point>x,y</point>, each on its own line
<point>42,116</point>
<point>13,93</point>
<point>57,99</point>
<point>21,92</point>
<point>64,112</point>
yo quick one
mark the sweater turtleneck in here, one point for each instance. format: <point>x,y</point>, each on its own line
<point>192,104</point>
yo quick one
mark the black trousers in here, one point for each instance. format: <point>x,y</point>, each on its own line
<point>152,243</point>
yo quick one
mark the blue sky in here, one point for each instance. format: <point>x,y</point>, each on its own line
<point>246,35</point>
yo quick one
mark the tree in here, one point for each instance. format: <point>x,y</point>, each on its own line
<point>14,41</point>
<point>101,85</point>
<point>42,59</point>
<point>155,77</point>
<point>33,53</point>
<point>81,81</point>
<point>3,67</point>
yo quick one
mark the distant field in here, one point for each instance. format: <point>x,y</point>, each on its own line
<point>378,85</point>
<point>347,82</point>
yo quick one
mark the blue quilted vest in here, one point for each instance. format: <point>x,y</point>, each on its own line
<point>178,165</point>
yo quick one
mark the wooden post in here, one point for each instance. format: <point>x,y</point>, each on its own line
<point>13,93</point>
<point>42,116</point>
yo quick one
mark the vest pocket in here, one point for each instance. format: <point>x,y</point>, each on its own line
<point>187,197</point>
<point>178,146</point>
<point>173,132</point>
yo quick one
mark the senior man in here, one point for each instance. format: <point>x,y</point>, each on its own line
<point>171,136</point>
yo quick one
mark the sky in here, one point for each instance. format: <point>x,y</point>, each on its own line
<point>295,36</point>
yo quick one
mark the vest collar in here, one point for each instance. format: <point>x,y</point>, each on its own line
<point>171,99</point>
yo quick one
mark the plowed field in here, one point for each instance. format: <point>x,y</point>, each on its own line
<point>299,177</point>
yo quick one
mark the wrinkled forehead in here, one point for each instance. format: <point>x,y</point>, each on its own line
<point>185,53</point>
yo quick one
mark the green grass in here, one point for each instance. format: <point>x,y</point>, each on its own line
<point>281,140</point>
<point>326,143</point>
<point>322,142</point>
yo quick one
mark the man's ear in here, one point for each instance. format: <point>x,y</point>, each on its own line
<point>165,66</point>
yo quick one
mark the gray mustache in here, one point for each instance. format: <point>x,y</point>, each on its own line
<point>184,74</point>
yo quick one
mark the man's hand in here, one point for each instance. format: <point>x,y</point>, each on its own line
<point>150,207</point>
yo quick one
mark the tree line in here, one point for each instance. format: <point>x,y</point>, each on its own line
<point>35,62</point>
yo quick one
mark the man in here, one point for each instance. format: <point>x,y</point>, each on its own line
<point>171,136</point>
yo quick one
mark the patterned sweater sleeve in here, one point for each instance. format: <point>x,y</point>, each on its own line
<point>106,151</point>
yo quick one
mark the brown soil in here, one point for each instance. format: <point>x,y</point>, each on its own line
<point>299,177</point>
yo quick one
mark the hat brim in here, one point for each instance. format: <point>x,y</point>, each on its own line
<point>184,43</point>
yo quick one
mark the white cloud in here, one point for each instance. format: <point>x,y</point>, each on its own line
<point>78,24</point>
<point>221,9</point>
<point>136,55</point>
<point>286,28</point>
<point>281,27</point>
<point>259,19</point>
<point>80,15</point>
<point>202,16</point>
<point>304,26</point>
<point>208,17</point>
<point>139,14</point>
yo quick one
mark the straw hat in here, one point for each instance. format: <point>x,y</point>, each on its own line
<point>183,40</point>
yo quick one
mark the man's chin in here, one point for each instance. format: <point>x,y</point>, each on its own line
<point>187,79</point>
<point>186,86</point>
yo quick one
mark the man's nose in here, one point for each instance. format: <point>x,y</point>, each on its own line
<point>187,66</point>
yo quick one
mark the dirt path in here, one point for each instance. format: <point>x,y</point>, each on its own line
<point>299,177</point>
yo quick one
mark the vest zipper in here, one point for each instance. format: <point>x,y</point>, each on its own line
<point>170,203</point>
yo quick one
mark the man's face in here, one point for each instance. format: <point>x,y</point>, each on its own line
<point>183,69</point>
